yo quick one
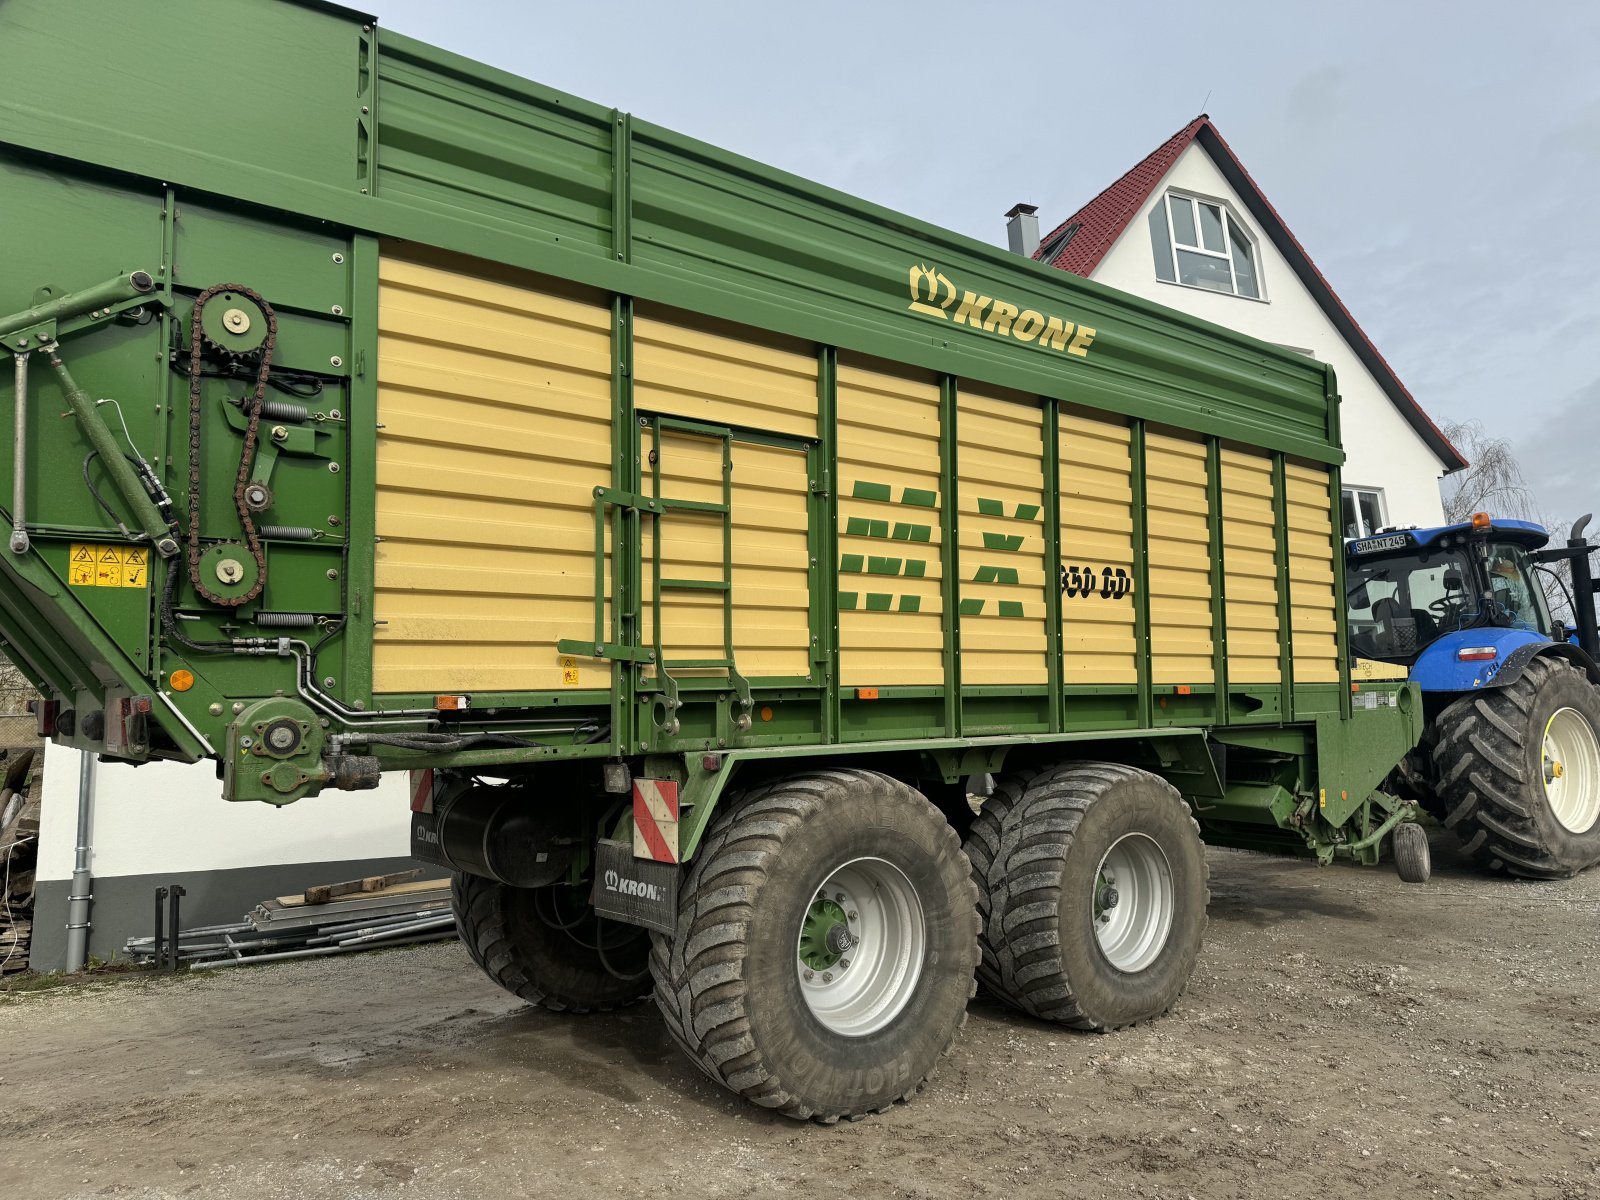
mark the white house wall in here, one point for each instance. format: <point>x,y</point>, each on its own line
<point>167,823</point>
<point>1382,448</point>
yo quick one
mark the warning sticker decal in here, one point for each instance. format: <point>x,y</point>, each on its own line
<point>92,565</point>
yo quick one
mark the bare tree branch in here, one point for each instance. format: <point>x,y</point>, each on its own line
<point>1493,483</point>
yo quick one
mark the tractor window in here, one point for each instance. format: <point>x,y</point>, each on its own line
<point>1515,600</point>
<point>1399,604</point>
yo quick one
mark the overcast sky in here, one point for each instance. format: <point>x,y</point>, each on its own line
<point>1440,161</point>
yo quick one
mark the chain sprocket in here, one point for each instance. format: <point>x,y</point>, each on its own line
<point>252,408</point>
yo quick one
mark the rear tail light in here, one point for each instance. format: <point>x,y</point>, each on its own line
<point>1477,654</point>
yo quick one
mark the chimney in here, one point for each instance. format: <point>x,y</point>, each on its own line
<point>1022,229</point>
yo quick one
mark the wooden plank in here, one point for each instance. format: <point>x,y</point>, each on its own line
<point>400,889</point>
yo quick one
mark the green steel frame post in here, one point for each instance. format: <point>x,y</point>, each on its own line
<point>1219,580</point>
<point>627,526</point>
<point>367,101</point>
<point>1340,624</point>
<point>622,185</point>
<point>951,580</point>
<point>163,400</point>
<point>825,546</point>
<point>1051,416</point>
<point>1335,500</point>
<point>1141,574</point>
<point>1280,529</point>
<point>361,490</point>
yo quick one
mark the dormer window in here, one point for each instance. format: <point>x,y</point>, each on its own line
<point>1199,243</point>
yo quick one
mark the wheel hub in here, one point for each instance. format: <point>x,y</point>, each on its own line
<point>1133,903</point>
<point>825,936</point>
<point>1570,764</point>
<point>859,949</point>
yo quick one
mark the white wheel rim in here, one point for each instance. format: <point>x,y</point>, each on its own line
<point>1570,763</point>
<point>870,970</point>
<point>1133,903</point>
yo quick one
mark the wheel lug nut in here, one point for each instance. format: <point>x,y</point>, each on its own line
<point>809,975</point>
<point>851,916</point>
<point>843,963</point>
<point>827,977</point>
<point>839,896</point>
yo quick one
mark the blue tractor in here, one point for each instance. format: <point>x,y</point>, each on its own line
<point>1510,757</point>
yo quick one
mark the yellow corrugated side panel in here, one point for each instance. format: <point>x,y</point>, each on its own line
<point>1098,630</point>
<point>1000,467</point>
<point>891,614</point>
<point>1249,553</point>
<point>1179,530</point>
<point>710,372</point>
<point>494,404</point>
<point>1313,607</point>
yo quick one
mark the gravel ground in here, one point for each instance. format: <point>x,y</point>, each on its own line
<point>1344,1034</point>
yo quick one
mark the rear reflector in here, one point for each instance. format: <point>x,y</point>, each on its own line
<point>1477,653</point>
<point>422,791</point>
<point>45,713</point>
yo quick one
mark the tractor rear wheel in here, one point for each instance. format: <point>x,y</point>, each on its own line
<point>548,947</point>
<point>1097,897</point>
<point>824,952</point>
<point>1518,772</point>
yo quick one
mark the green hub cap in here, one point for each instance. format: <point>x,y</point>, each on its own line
<point>825,935</point>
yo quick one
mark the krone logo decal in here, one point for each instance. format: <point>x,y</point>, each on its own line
<point>934,295</point>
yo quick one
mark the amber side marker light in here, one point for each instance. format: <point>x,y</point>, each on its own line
<point>866,693</point>
<point>452,703</point>
<point>181,681</point>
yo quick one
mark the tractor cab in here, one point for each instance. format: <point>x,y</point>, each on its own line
<point>1472,582</point>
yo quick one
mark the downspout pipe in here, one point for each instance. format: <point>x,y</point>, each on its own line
<point>82,893</point>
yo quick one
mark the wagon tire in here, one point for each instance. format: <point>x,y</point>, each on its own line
<point>754,918</point>
<point>1083,841</point>
<point>983,847</point>
<point>515,935</point>
<point>1518,770</point>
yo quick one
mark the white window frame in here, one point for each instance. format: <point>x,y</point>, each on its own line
<point>1229,215</point>
<point>1355,493</point>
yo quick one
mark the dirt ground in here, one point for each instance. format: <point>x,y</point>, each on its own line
<point>1344,1035</point>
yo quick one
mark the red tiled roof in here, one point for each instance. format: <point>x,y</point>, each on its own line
<point>1100,222</point>
<point>1082,241</point>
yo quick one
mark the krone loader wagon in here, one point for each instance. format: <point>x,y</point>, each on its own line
<point>691,532</point>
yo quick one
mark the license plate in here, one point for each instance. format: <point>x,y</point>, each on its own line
<point>1395,541</point>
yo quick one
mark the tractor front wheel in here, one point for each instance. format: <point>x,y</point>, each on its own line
<point>1518,772</point>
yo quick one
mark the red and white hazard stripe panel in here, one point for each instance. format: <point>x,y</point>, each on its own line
<point>655,820</point>
<point>422,791</point>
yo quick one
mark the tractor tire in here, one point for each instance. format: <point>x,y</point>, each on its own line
<point>1519,772</point>
<point>1413,861</point>
<point>797,884</point>
<point>548,947</point>
<point>1084,841</point>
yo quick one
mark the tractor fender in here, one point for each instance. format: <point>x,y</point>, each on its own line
<point>1439,670</point>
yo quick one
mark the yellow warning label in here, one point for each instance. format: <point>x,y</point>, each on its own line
<point>569,672</point>
<point>91,565</point>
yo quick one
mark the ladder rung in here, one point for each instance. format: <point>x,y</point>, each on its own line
<point>696,585</point>
<point>703,506</point>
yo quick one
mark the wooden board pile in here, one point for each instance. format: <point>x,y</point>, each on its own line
<point>19,856</point>
<point>334,918</point>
